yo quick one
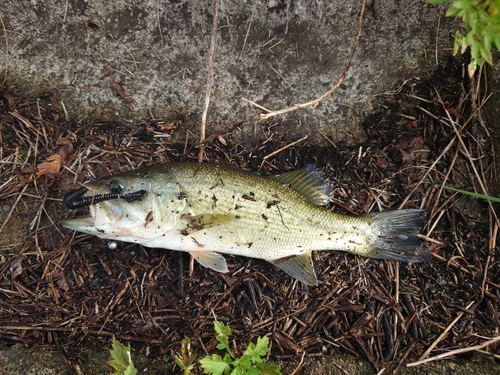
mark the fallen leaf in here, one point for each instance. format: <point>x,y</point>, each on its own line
<point>62,283</point>
<point>12,100</point>
<point>403,151</point>
<point>412,144</point>
<point>50,165</point>
<point>121,91</point>
<point>65,150</point>
<point>16,268</point>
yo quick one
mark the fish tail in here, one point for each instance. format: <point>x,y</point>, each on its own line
<point>398,236</point>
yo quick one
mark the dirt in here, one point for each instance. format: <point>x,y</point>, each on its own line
<point>17,359</point>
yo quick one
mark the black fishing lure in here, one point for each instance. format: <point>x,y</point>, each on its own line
<point>75,199</point>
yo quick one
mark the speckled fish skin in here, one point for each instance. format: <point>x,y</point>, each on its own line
<point>209,209</point>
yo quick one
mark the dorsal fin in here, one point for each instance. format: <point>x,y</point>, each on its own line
<point>309,182</point>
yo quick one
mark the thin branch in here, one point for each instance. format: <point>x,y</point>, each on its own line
<point>443,334</point>
<point>210,77</point>
<point>314,103</point>
<point>248,31</point>
<point>471,160</point>
<point>6,52</point>
<point>283,149</point>
<point>456,351</point>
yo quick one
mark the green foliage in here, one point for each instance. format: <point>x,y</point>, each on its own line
<point>472,194</point>
<point>482,20</point>
<point>186,359</point>
<point>121,360</point>
<point>252,362</point>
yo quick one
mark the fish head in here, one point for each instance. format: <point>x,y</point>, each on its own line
<point>120,207</point>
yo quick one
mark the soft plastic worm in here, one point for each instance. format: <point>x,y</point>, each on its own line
<point>74,199</point>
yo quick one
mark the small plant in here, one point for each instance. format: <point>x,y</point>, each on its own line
<point>482,20</point>
<point>121,360</point>
<point>472,194</point>
<point>252,362</point>
<point>186,359</point>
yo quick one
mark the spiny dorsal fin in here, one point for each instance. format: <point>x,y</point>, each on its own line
<point>309,182</point>
<point>299,267</point>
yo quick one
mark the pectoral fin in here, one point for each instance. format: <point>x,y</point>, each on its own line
<point>299,267</point>
<point>210,260</point>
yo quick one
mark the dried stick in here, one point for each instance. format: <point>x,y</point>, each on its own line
<point>299,366</point>
<point>210,77</point>
<point>12,209</point>
<point>282,149</point>
<point>314,103</point>
<point>248,31</point>
<point>471,161</point>
<point>437,33</point>
<point>443,334</point>
<point>6,51</point>
<point>456,351</point>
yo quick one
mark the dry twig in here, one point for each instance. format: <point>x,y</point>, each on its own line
<point>6,52</point>
<point>210,77</point>
<point>455,352</point>
<point>314,103</point>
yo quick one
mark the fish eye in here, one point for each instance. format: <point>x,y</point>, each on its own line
<point>115,187</point>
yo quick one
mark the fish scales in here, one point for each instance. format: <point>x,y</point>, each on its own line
<point>210,209</point>
<point>269,220</point>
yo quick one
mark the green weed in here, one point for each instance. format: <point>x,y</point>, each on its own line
<point>482,20</point>
<point>121,360</point>
<point>252,362</point>
<point>473,194</point>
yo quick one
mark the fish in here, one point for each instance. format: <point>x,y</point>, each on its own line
<point>209,210</point>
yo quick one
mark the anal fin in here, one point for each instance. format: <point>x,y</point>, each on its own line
<point>299,267</point>
<point>210,259</point>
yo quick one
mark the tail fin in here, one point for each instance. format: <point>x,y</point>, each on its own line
<point>397,236</point>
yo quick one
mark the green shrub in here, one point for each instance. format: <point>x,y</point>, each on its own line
<point>121,360</point>
<point>482,21</point>
<point>252,362</point>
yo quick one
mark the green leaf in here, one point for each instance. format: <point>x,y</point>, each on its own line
<point>179,362</point>
<point>496,40</point>
<point>221,328</point>
<point>258,350</point>
<point>222,333</point>
<point>215,365</point>
<point>269,369</point>
<point>472,194</point>
<point>248,371</point>
<point>252,362</point>
<point>121,360</point>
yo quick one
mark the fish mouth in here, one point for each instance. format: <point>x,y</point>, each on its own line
<point>81,223</point>
<point>102,216</point>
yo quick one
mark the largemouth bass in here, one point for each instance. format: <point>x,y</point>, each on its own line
<point>208,210</point>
